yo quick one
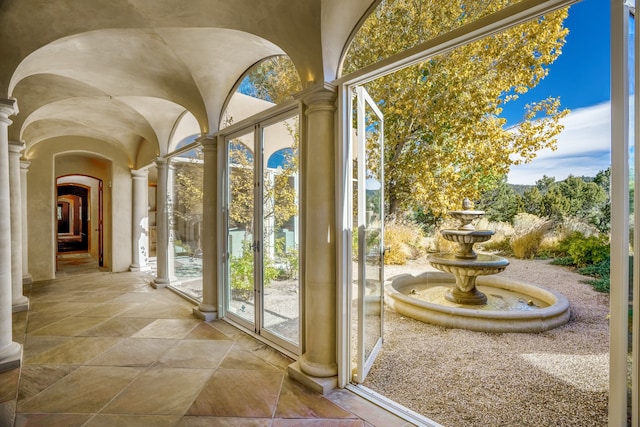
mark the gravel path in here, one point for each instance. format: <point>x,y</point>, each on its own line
<point>461,378</point>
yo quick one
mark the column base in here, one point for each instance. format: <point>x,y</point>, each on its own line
<point>135,267</point>
<point>20,304</point>
<point>316,384</point>
<point>207,315</point>
<point>320,370</point>
<point>10,357</point>
<point>160,283</point>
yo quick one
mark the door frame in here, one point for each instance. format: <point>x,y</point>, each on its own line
<point>255,124</point>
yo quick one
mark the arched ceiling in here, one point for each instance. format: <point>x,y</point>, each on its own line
<point>124,71</point>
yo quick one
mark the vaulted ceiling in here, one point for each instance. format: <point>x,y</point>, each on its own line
<point>124,71</point>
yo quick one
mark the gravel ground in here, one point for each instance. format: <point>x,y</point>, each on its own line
<point>462,378</point>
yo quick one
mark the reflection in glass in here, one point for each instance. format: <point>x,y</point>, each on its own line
<point>280,230</point>
<point>186,222</point>
<point>241,245</point>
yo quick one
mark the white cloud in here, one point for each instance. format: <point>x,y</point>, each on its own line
<point>584,148</point>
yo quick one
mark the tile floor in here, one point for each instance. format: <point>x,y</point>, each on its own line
<point>106,349</point>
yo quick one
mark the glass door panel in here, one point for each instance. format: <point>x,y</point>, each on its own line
<point>186,223</point>
<point>370,213</point>
<point>280,230</point>
<point>241,239</point>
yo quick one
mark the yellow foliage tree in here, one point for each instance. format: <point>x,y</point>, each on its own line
<point>444,137</point>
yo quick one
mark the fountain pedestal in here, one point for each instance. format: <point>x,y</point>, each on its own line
<point>464,264</point>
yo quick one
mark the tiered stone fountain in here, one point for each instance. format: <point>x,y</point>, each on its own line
<point>467,295</point>
<point>464,264</point>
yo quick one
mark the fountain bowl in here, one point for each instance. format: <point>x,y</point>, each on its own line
<point>552,312</point>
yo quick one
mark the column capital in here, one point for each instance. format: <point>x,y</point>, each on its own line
<point>16,147</point>
<point>24,165</point>
<point>161,162</point>
<point>139,173</point>
<point>8,107</point>
<point>320,96</point>
<point>208,141</point>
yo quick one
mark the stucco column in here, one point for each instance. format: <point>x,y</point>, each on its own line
<point>171,233</point>
<point>162,227</point>
<point>10,351</point>
<point>208,309</point>
<point>26,276</point>
<point>140,220</point>
<point>319,358</point>
<point>18,301</point>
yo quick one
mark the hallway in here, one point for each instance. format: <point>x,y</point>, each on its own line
<point>106,349</point>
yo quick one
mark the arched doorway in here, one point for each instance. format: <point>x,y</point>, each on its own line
<point>79,216</point>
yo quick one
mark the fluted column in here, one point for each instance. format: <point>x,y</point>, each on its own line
<point>208,309</point>
<point>10,352</point>
<point>18,301</point>
<point>140,220</point>
<point>162,228</point>
<point>26,276</point>
<point>319,358</point>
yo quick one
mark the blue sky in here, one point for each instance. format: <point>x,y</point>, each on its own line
<point>581,78</point>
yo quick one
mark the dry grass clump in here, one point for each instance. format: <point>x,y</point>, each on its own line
<point>529,233</point>
<point>503,231</point>
<point>569,226</point>
<point>439,242</point>
<point>404,239</point>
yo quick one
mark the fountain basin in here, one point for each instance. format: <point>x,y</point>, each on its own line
<point>548,309</point>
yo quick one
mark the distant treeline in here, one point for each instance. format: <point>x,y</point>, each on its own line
<point>587,198</point>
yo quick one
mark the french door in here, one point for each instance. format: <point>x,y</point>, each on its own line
<point>262,290</point>
<point>368,202</point>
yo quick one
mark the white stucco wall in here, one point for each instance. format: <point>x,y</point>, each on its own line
<point>71,156</point>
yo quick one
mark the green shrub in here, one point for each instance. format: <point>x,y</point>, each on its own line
<point>241,272</point>
<point>600,273</point>
<point>585,250</point>
<point>564,260</point>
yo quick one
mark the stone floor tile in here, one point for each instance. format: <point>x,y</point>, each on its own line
<point>297,401</point>
<point>136,297</point>
<point>35,345</point>
<point>7,413</point>
<point>41,320</point>
<point>59,307</point>
<point>167,328</point>
<point>9,384</point>
<point>160,311</point>
<point>247,360</point>
<point>51,420</point>
<point>365,410</point>
<point>133,352</point>
<point>239,393</point>
<point>69,326</point>
<point>35,378</point>
<point>117,327</point>
<point>108,420</point>
<point>75,351</point>
<point>195,354</point>
<point>317,423</point>
<point>223,422</point>
<point>162,391</point>
<point>205,331</point>
<point>84,391</point>
<point>108,309</point>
